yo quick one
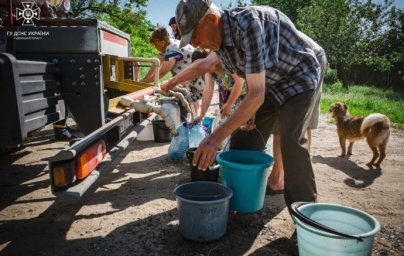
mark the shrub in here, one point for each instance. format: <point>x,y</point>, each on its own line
<point>330,76</point>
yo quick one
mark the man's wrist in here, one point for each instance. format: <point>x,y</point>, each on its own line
<point>219,134</point>
<point>168,84</point>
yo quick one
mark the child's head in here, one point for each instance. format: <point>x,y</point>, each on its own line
<point>160,37</point>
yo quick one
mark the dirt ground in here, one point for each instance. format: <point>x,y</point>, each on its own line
<point>132,209</point>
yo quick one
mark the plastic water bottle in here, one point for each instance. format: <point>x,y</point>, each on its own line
<point>195,135</point>
<point>179,143</point>
<point>269,147</point>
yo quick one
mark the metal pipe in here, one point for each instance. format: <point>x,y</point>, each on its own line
<point>155,61</point>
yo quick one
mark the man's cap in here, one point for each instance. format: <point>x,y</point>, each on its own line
<point>172,21</point>
<point>188,14</point>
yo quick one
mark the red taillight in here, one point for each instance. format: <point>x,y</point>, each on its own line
<point>90,158</point>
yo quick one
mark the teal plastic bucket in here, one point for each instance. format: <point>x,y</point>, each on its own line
<point>203,210</point>
<point>245,172</point>
<point>332,229</point>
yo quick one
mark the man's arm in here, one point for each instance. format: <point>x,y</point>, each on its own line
<point>194,70</point>
<point>206,153</point>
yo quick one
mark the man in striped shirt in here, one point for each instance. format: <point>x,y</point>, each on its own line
<point>261,45</point>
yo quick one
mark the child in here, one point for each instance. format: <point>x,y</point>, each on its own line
<point>231,90</point>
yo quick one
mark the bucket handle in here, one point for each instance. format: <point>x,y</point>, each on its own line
<point>238,129</point>
<point>213,167</point>
<point>298,214</point>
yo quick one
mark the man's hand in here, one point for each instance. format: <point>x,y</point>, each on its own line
<point>165,86</point>
<point>206,153</point>
<point>250,125</point>
<point>225,110</point>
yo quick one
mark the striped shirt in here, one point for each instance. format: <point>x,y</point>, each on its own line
<point>261,38</point>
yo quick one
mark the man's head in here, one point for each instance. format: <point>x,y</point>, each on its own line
<point>173,24</point>
<point>199,23</point>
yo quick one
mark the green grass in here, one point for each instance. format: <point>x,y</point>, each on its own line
<point>143,71</point>
<point>364,100</point>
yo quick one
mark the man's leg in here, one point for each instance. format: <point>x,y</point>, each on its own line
<point>275,179</point>
<point>61,131</point>
<point>314,117</point>
<point>293,116</point>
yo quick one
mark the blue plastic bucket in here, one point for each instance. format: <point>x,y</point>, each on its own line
<point>203,210</point>
<point>245,172</point>
<point>332,229</point>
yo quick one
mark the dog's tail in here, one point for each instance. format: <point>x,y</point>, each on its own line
<point>380,121</point>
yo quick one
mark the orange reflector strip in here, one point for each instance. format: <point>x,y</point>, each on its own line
<point>90,159</point>
<point>59,178</point>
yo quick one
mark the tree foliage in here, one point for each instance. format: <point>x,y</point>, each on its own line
<point>354,32</point>
<point>289,7</point>
<point>126,15</point>
<point>239,3</point>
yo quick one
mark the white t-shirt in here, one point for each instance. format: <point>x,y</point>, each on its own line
<point>196,85</point>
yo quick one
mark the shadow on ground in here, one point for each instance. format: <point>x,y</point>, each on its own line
<point>359,176</point>
<point>156,234</point>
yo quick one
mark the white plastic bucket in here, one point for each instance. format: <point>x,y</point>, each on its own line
<point>146,134</point>
<point>332,229</point>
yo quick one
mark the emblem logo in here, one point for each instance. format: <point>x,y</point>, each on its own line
<point>30,12</point>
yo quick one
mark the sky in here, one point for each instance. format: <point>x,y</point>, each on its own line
<point>160,11</point>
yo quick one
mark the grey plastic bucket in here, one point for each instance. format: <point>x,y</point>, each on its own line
<point>203,209</point>
<point>332,229</point>
<point>160,131</point>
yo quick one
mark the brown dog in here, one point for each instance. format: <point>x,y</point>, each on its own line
<point>374,127</point>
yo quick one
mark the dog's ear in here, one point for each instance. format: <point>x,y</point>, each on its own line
<point>345,106</point>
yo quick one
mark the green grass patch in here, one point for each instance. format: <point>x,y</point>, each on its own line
<point>364,100</point>
<point>144,69</point>
<point>166,77</point>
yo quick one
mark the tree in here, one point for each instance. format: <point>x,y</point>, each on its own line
<point>126,15</point>
<point>289,7</point>
<point>354,32</point>
<point>240,3</point>
<point>382,31</point>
